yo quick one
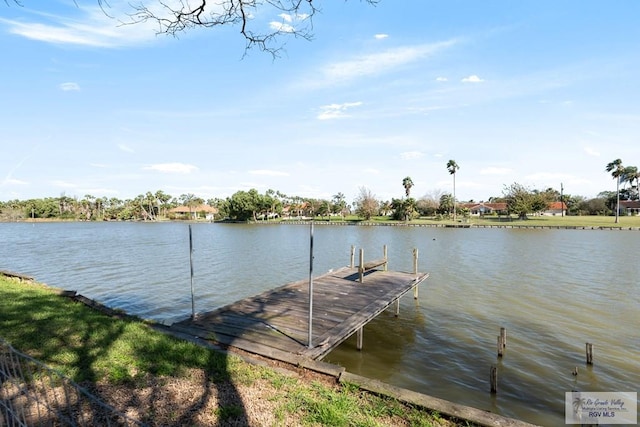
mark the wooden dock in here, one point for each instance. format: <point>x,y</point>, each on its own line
<point>275,323</point>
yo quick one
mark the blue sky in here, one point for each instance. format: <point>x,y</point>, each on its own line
<point>535,92</point>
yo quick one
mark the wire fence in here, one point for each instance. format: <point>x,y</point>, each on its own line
<point>32,394</point>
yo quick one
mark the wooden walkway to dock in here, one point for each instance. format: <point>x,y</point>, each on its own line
<point>275,323</point>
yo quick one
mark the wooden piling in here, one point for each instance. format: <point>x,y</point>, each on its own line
<point>361,269</point>
<point>398,307</point>
<point>589,351</point>
<point>493,378</point>
<point>359,338</point>
<point>503,334</point>
<point>384,255</point>
<point>415,271</point>
<point>353,256</point>
<point>500,346</point>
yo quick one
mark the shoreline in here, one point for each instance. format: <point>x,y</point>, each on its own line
<point>339,374</point>
<point>516,226</point>
<point>322,222</point>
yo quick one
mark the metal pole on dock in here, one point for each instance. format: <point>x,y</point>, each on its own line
<point>311,287</point>
<point>193,305</point>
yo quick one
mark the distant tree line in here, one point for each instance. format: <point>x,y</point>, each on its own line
<point>254,206</point>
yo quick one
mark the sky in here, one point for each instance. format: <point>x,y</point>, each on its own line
<point>540,93</point>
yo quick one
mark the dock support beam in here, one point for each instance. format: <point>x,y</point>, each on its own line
<point>415,271</point>
<point>311,287</point>
<point>193,304</point>
<point>361,268</point>
<point>359,334</point>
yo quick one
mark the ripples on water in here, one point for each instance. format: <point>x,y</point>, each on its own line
<point>553,290</point>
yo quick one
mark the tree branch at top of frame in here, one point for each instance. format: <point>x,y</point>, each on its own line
<point>178,16</point>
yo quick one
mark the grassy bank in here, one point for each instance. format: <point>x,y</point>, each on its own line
<point>532,221</point>
<point>162,380</point>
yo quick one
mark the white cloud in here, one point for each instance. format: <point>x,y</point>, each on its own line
<point>592,152</point>
<point>126,148</point>
<point>495,171</point>
<point>281,27</point>
<point>472,79</point>
<point>288,23</point>
<point>92,26</point>
<point>442,79</point>
<point>336,111</point>
<point>381,62</point>
<point>69,86</point>
<point>13,181</point>
<point>411,155</point>
<point>172,168</point>
<point>267,172</point>
<point>381,36</point>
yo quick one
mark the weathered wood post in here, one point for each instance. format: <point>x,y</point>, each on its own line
<point>398,307</point>
<point>500,346</point>
<point>384,255</point>
<point>353,256</point>
<point>361,267</point>
<point>589,350</point>
<point>359,338</point>
<point>493,378</point>
<point>503,334</point>
<point>193,304</point>
<point>311,286</point>
<point>415,271</point>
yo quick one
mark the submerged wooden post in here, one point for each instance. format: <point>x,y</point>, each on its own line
<point>589,349</point>
<point>384,255</point>
<point>193,304</point>
<point>415,271</point>
<point>353,256</point>
<point>500,346</point>
<point>503,334</point>
<point>361,267</point>
<point>398,307</point>
<point>359,338</point>
<point>493,377</point>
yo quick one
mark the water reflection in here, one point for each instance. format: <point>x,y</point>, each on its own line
<point>553,290</point>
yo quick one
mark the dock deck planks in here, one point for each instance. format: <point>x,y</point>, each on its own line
<point>276,321</point>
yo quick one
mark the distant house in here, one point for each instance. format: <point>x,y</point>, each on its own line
<point>629,207</point>
<point>555,208</point>
<point>480,209</point>
<point>201,211</point>
<point>297,211</point>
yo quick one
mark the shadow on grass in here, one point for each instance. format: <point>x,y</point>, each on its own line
<point>155,378</point>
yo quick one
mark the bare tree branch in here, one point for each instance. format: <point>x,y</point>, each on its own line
<point>177,16</point>
<point>174,17</point>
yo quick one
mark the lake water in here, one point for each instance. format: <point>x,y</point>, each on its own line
<point>553,290</point>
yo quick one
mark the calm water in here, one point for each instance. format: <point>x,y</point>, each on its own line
<point>554,290</point>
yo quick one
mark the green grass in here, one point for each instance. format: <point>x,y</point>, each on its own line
<point>542,221</point>
<point>93,348</point>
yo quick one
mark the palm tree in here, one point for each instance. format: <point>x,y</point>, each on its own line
<point>453,167</point>
<point>630,174</point>
<point>616,170</point>
<point>407,183</point>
